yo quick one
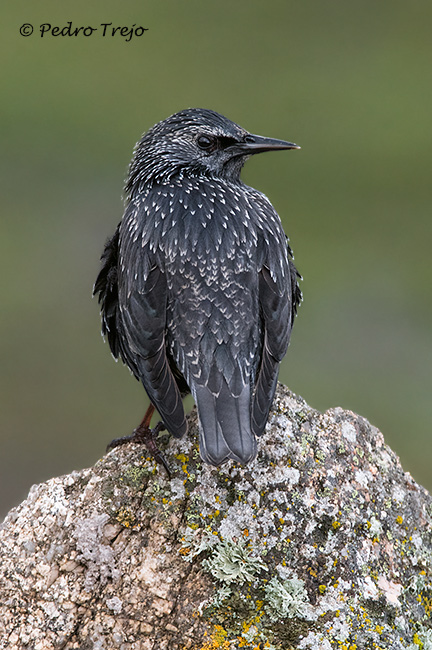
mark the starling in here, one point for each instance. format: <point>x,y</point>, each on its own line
<point>198,289</point>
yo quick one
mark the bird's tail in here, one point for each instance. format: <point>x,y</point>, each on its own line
<point>225,429</point>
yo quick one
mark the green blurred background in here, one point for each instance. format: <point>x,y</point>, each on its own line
<point>349,82</point>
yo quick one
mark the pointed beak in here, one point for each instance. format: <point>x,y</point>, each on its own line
<point>257,144</point>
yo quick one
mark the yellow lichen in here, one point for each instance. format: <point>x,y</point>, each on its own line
<point>218,640</point>
<point>184,551</point>
<point>126,518</point>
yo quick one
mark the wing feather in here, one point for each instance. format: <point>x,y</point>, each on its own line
<point>276,304</point>
<point>143,313</point>
<point>133,314</point>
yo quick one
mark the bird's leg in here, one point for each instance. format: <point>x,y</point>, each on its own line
<point>146,436</point>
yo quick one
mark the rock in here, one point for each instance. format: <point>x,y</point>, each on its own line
<point>322,542</point>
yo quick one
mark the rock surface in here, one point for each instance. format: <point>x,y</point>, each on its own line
<point>322,542</point>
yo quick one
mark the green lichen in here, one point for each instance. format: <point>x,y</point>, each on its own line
<point>194,542</point>
<point>221,595</point>
<point>232,561</point>
<point>134,476</point>
<point>246,605</point>
<point>319,454</point>
<point>286,599</point>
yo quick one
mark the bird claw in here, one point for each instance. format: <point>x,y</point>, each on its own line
<point>143,435</point>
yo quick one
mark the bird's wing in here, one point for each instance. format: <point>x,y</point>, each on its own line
<point>143,314</point>
<point>106,287</point>
<point>133,305</point>
<point>278,303</point>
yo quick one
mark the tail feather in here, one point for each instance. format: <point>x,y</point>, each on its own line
<point>224,420</point>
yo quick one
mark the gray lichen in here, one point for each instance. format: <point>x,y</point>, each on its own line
<point>97,556</point>
<point>287,599</point>
<point>322,542</point>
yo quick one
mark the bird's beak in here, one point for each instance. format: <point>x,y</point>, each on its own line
<point>257,144</point>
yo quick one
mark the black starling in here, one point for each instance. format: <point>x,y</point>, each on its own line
<point>197,287</point>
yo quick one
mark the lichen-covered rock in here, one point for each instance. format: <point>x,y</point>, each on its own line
<point>322,542</point>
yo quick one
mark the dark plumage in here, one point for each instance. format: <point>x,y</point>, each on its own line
<point>197,286</point>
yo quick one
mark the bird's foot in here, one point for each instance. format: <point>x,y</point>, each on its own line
<point>143,435</point>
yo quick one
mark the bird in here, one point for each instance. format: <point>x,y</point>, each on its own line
<point>197,287</point>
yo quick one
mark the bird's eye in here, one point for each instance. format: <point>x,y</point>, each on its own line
<point>205,142</point>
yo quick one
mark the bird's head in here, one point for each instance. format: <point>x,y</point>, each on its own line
<point>192,142</point>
